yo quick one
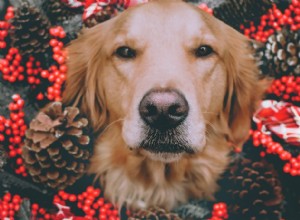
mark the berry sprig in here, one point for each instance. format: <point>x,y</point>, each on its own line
<point>56,74</point>
<point>9,206</point>
<point>292,165</point>
<point>13,71</point>
<point>4,128</point>
<point>33,73</point>
<point>19,128</point>
<point>4,26</point>
<point>38,212</point>
<point>13,131</point>
<point>10,66</point>
<point>286,88</point>
<point>274,20</point>
<point>9,13</point>
<point>59,54</point>
<point>33,70</point>
<point>219,211</point>
<point>90,202</point>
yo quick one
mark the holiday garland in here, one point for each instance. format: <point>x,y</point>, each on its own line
<point>259,181</point>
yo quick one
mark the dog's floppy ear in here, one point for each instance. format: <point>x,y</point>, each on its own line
<point>244,88</point>
<point>83,85</point>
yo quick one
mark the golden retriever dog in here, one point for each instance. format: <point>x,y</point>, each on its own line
<point>167,89</point>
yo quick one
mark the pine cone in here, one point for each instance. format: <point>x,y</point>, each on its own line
<point>57,11</point>
<point>237,12</point>
<point>252,190</point>
<point>105,14</point>
<point>261,60</point>
<point>56,150</point>
<point>31,31</point>
<point>282,53</point>
<point>154,214</point>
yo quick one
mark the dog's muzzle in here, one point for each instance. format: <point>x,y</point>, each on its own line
<point>164,112</point>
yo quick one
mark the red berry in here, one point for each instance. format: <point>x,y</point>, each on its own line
<point>45,73</point>
<point>62,34</point>
<point>72,198</point>
<point>53,42</point>
<point>40,96</point>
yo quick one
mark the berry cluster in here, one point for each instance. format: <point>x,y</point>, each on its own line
<point>274,20</point>
<point>219,211</point>
<point>33,69</point>
<point>9,13</point>
<point>9,205</point>
<point>90,202</point>
<point>4,128</point>
<point>204,7</point>
<point>38,212</point>
<point>286,88</point>
<point>56,74</point>
<point>271,147</point>
<point>293,166</point>
<point>4,26</point>
<point>10,66</point>
<point>59,54</point>
<point>13,131</point>
<point>13,71</point>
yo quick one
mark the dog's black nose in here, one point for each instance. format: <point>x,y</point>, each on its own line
<point>163,109</point>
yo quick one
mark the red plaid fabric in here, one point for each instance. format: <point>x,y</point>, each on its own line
<point>280,118</point>
<point>94,6</point>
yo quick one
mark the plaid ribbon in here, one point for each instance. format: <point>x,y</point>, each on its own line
<point>64,213</point>
<point>280,118</point>
<point>94,6</point>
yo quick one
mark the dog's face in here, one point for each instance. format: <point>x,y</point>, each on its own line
<point>173,80</point>
<point>169,74</point>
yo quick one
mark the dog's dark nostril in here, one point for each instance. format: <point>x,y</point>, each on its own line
<point>151,110</point>
<point>163,109</point>
<point>177,110</point>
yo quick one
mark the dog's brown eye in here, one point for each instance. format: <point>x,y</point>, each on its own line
<point>203,51</point>
<point>125,52</point>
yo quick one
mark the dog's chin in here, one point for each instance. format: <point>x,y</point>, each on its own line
<point>165,152</point>
<point>164,146</point>
<point>165,157</point>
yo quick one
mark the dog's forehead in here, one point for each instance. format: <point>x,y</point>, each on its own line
<point>167,18</point>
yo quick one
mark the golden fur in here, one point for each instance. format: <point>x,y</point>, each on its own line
<point>222,90</point>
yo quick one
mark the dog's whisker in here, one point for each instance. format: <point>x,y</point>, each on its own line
<point>211,125</point>
<point>112,123</point>
<point>213,113</point>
